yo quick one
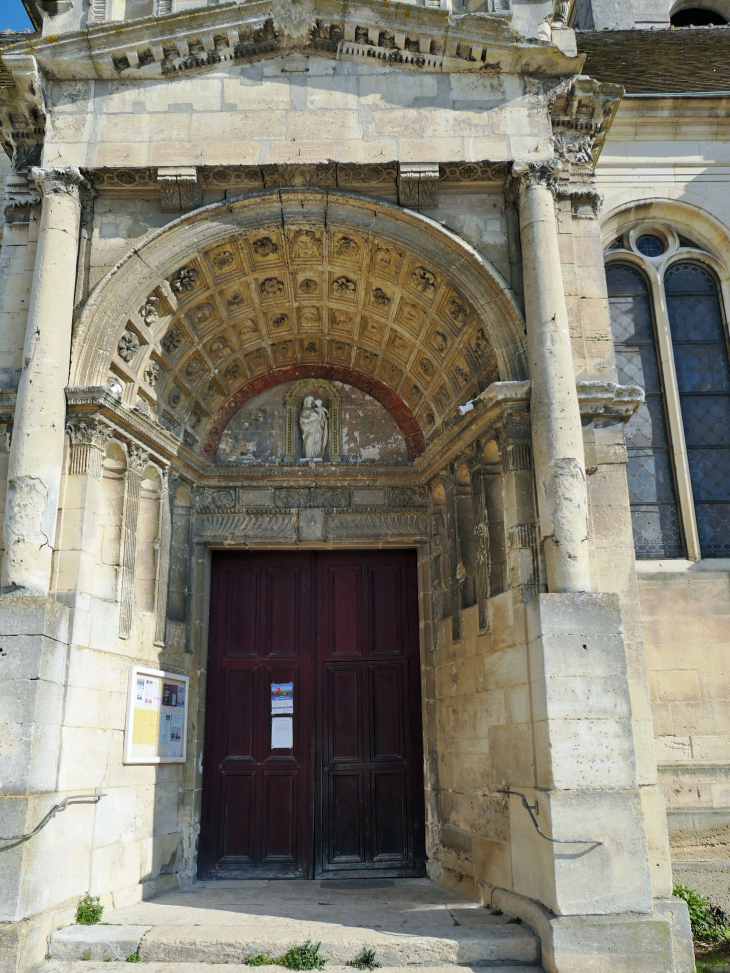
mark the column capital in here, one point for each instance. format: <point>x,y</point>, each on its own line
<point>89,439</point>
<point>56,181</point>
<point>532,175</point>
<point>137,459</point>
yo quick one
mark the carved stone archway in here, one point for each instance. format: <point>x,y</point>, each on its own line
<point>311,282</point>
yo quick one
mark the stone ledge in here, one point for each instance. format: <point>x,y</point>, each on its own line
<point>99,942</point>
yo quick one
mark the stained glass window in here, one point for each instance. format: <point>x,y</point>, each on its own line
<point>650,245</point>
<point>703,379</point>
<point>654,512</point>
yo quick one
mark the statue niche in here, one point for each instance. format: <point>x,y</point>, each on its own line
<point>312,422</point>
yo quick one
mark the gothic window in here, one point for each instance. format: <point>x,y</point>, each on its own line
<point>671,339</point>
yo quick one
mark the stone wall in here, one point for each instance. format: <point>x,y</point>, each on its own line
<point>294,110</point>
<point>680,146</point>
<point>686,615</point>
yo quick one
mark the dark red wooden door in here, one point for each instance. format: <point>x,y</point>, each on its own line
<point>257,802</point>
<point>347,798</point>
<point>369,753</point>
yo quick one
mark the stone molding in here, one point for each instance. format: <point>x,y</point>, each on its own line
<point>61,181</point>
<point>292,525</point>
<point>197,39</point>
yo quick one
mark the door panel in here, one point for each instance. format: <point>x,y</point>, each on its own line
<point>347,799</point>
<point>388,716</point>
<point>374,698</point>
<point>344,699</point>
<point>347,839</point>
<point>257,802</point>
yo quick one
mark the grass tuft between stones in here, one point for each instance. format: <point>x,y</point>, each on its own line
<point>134,958</point>
<point>365,960</point>
<point>303,956</point>
<point>89,910</point>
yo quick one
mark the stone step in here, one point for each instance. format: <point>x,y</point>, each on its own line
<point>169,945</point>
<point>93,966</point>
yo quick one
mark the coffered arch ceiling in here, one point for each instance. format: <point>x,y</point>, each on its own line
<point>241,295</point>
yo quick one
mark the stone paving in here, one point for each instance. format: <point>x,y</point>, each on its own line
<point>408,922</point>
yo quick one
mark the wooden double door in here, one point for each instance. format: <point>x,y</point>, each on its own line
<point>343,797</point>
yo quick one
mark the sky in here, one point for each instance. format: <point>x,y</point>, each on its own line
<point>13,15</point>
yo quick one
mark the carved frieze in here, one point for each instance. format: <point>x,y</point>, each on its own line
<point>376,525</point>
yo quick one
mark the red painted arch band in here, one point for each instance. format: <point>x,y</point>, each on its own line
<point>407,422</point>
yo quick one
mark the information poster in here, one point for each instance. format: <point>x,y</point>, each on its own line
<point>157,710</point>
<point>282,698</point>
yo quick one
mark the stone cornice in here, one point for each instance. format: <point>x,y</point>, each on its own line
<point>377,179</point>
<point>417,38</point>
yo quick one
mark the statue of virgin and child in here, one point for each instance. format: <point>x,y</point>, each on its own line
<point>314,424</point>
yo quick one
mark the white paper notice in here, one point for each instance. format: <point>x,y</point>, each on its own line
<point>174,748</point>
<point>164,729</point>
<point>282,733</point>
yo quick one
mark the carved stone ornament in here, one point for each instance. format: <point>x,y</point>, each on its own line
<point>172,340</point>
<point>184,280</point>
<point>89,440</point>
<point>531,175</point>
<point>150,310</point>
<point>418,185</point>
<point>424,281</point>
<point>574,147</point>
<point>137,459</point>
<point>67,181</point>
<point>128,346</point>
<point>152,373</point>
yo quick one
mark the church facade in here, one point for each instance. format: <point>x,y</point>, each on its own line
<point>365,465</point>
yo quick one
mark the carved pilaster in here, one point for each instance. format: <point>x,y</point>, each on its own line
<point>517,456</point>
<point>524,543</point>
<point>89,439</point>
<point>137,460</point>
<point>164,535</point>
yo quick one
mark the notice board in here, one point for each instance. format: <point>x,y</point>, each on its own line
<point>157,717</point>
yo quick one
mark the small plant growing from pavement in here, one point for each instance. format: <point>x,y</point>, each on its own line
<point>365,960</point>
<point>134,958</point>
<point>497,912</point>
<point>89,910</point>
<point>709,923</point>
<point>259,959</point>
<point>303,957</point>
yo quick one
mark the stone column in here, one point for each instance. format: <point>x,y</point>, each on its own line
<point>36,452</point>
<point>556,427</point>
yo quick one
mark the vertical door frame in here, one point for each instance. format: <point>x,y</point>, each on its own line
<point>198,645</point>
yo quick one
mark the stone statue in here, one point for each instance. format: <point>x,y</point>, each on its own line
<point>314,423</point>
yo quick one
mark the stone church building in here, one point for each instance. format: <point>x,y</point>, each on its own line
<point>367,364</point>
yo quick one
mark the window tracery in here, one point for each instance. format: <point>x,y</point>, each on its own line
<point>671,338</point>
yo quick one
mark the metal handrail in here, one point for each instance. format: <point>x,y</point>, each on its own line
<point>555,841</point>
<point>56,809</point>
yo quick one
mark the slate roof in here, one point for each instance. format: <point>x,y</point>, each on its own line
<point>659,61</point>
